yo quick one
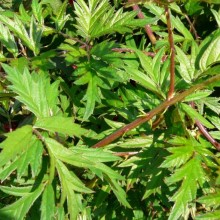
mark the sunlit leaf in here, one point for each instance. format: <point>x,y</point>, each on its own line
<point>54,124</point>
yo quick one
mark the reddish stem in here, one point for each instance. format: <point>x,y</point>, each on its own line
<point>147,27</point>
<point>162,107</point>
<point>205,133</point>
<point>172,54</point>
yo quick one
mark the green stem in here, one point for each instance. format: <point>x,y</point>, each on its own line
<point>162,107</point>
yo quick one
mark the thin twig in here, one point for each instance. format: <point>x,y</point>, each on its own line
<point>205,133</point>
<point>147,27</point>
<point>162,107</point>
<point>172,54</point>
<point>192,27</point>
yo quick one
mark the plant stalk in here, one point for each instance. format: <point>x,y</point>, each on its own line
<point>172,54</point>
<point>162,107</point>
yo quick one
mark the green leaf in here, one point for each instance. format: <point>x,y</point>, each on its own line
<point>31,155</point>
<point>98,18</point>
<point>83,159</point>
<point>8,40</point>
<point>35,36</point>
<point>17,143</point>
<point>194,115</point>
<point>211,55</point>
<point>214,215</point>
<point>217,16</point>
<point>188,189</point>
<point>17,27</point>
<point>48,203</point>
<point>119,192</point>
<point>91,97</point>
<point>19,209</point>
<point>61,18</point>
<point>34,90</point>
<point>210,200</point>
<point>186,68</point>
<point>198,95</point>
<point>60,124</point>
<point>142,79</point>
<point>16,191</point>
<point>73,181</point>
<point>37,11</point>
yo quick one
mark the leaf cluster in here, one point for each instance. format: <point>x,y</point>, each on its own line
<point>73,74</point>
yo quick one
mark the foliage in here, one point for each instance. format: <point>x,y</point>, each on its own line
<point>76,72</point>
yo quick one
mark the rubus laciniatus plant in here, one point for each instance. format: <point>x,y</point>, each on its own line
<point>110,109</point>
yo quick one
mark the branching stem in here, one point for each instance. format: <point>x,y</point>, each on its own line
<point>162,107</point>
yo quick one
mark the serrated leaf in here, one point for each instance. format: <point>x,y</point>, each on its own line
<point>119,192</point>
<point>61,125</point>
<point>61,17</point>
<point>142,79</point>
<point>198,95</point>
<point>179,156</point>
<point>210,200</point>
<point>37,11</point>
<point>73,181</point>
<point>16,191</point>
<point>34,90</point>
<point>32,156</point>
<point>99,18</point>
<point>91,97</point>
<point>19,209</point>
<point>18,28</point>
<point>17,142</point>
<point>191,174</point>
<point>48,203</point>
<point>99,155</point>
<point>81,159</point>
<point>186,68</point>
<point>212,103</point>
<point>194,115</point>
<point>35,36</point>
<point>8,40</point>
<point>211,55</point>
